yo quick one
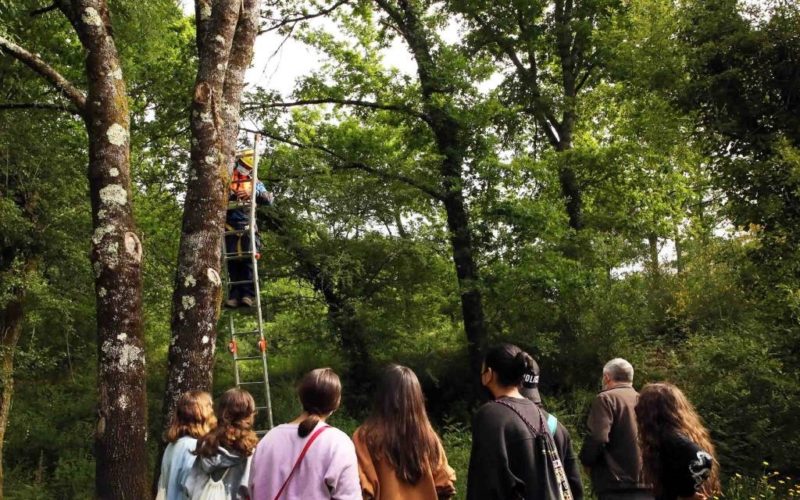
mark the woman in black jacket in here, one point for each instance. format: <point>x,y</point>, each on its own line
<point>677,452</point>
<point>507,460</point>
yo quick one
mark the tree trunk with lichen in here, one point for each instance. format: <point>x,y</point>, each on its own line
<point>226,31</point>
<point>121,432</point>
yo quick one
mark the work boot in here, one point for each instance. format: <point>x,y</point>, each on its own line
<point>232,303</point>
<point>248,301</point>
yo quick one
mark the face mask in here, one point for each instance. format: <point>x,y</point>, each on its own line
<point>241,170</point>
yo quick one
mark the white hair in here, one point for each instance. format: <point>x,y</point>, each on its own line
<point>619,370</point>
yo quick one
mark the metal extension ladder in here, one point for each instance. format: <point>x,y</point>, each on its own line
<point>248,344</point>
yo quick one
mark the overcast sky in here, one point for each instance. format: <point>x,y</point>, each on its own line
<point>279,62</point>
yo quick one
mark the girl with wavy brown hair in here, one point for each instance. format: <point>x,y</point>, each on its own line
<point>193,419</point>
<point>677,452</point>
<point>224,454</point>
<point>400,456</point>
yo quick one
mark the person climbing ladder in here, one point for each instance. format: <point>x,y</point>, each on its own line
<point>237,233</point>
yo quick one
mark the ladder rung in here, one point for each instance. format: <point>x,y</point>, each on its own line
<point>236,231</point>
<point>243,310</point>
<point>261,407</point>
<point>235,205</point>
<point>244,282</point>
<point>261,433</point>
<point>238,256</point>
<point>251,383</point>
<point>247,358</point>
<point>246,332</point>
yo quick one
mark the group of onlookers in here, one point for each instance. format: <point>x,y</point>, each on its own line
<point>639,446</point>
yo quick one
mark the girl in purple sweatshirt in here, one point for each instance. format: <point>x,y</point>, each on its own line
<point>329,467</point>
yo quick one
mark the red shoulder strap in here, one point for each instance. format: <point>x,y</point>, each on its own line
<point>300,458</point>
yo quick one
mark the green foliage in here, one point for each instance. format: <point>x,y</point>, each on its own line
<point>686,138</point>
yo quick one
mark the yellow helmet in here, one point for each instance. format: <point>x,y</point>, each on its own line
<point>246,157</point>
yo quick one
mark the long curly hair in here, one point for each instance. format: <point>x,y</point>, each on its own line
<point>398,430</point>
<point>662,411</point>
<point>194,417</point>
<point>236,410</point>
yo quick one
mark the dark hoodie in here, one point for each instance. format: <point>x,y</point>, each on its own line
<point>215,467</point>
<point>503,464</point>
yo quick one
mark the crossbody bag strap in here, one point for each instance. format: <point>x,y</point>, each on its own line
<point>300,458</point>
<point>550,451</point>
<point>530,426</point>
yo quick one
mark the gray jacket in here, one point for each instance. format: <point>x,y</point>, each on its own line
<point>231,467</point>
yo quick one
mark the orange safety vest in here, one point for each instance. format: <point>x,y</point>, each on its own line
<point>241,183</point>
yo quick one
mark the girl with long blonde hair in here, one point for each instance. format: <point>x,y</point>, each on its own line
<point>677,452</point>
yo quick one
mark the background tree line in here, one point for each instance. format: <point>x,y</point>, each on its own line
<point>586,179</point>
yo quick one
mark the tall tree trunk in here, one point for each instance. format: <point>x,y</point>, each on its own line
<point>449,136</point>
<point>10,330</point>
<point>121,433</point>
<point>653,264</point>
<point>342,316</point>
<point>226,34</point>
<point>570,187</point>
<point>518,45</point>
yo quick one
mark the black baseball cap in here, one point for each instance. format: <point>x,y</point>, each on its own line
<point>530,384</point>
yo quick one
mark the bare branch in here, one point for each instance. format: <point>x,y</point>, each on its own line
<point>39,105</point>
<point>44,10</point>
<point>346,102</point>
<point>44,70</point>
<point>346,164</point>
<point>307,17</point>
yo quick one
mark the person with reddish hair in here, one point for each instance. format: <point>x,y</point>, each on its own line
<point>400,457</point>
<point>193,419</point>
<point>677,452</point>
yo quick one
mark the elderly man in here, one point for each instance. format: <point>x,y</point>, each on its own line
<point>610,449</point>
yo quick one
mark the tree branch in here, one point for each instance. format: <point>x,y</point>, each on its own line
<point>541,112</point>
<point>307,17</point>
<point>44,10</point>
<point>65,6</point>
<point>585,78</point>
<point>44,70</point>
<point>346,102</point>
<point>39,105</point>
<point>346,164</point>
